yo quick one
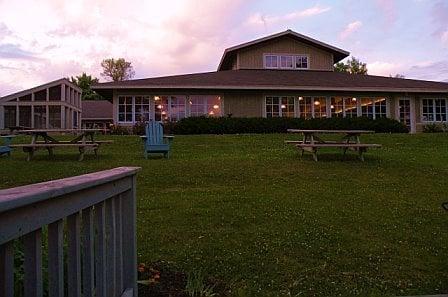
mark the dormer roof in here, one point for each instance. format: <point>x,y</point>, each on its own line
<point>229,53</point>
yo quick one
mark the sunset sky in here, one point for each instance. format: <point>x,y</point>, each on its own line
<point>45,40</point>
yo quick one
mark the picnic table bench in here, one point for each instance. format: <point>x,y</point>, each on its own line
<point>84,141</point>
<point>312,142</point>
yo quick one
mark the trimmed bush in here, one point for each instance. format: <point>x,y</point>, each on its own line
<point>229,125</point>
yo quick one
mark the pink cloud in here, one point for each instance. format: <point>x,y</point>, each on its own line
<point>350,29</point>
<point>389,10</point>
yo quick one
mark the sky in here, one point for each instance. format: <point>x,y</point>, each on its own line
<point>45,40</point>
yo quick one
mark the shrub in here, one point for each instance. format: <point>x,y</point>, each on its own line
<point>119,130</point>
<point>433,128</point>
<point>139,128</point>
<point>230,125</point>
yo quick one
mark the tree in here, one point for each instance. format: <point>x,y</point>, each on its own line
<point>352,66</point>
<point>398,75</point>
<point>85,82</point>
<point>117,70</point>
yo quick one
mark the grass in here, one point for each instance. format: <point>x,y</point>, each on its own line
<point>247,209</point>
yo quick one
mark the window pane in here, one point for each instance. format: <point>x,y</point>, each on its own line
<point>350,107</point>
<point>380,108</point>
<point>125,109</point>
<point>305,107</point>
<point>272,108</point>
<point>404,106</point>
<point>320,107</point>
<point>271,61</point>
<point>54,117</point>
<point>286,62</point>
<point>428,110</point>
<point>367,107</point>
<point>337,107</point>
<point>287,106</point>
<point>301,62</point>
<point>40,117</point>
<point>205,105</point>
<point>10,116</point>
<point>440,105</point>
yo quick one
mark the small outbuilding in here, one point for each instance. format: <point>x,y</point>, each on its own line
<point>97,114</point>
<point>55,105</point>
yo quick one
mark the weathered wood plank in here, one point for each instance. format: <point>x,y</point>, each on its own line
<point>14,223</point>
<point>118,244</point>
<point>110,248</point>
<point>33,264</point>
<point>129,237</point>
<point>74,255</point>
<point>100,249</point>
<point>88,259</point>
<point>128,293</point>
<point>25,195</point>
<point>56,259</point>
<point>7,269</point>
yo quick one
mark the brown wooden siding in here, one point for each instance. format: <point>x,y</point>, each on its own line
<point>252,58</point>
<point>243,105</point>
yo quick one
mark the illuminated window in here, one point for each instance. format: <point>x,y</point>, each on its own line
<point>205,105</point>
<point>350,107</point>
<point>141,108</point>
<point>337,107</point>
<point>279,106</point>
<point>305,105</point>
<point>320,107</point>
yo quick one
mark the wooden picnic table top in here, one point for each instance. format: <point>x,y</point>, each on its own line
<point>330,131</point>
<point>58,131</point>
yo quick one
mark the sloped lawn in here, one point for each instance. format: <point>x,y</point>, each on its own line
<point>247,210</point>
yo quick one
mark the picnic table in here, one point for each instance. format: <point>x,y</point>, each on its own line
<point>84,140</point>
<point>312,141</point>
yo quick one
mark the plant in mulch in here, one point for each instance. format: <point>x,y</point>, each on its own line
<point>163,279</point>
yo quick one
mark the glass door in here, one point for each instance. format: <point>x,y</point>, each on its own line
<point>404,106</point>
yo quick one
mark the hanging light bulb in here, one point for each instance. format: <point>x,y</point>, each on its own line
<point>159,106</point>
<point>283,106</point>
<point>316,103</point>
<point>211,113</point>
<point>354,99</point>
<point>156,98</point>
<point>300,98</point>
<point>216,106</point>
<point>332,106</point>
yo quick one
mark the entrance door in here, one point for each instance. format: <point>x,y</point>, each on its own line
<point>405,114</point>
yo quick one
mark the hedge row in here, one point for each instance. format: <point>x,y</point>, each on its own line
<point>209,125</point>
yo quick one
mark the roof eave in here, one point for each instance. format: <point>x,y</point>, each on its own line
<point>281,88</point>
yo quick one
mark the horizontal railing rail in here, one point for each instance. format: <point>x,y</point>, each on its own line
<point>85,223</point>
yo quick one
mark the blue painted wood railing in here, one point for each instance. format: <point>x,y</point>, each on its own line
<point>97,213</point>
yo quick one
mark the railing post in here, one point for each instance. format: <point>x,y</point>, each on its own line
<point>7,269</point>
<point>74,255</point>
<point>88,258</point>
<point>33,263</point>
<point>56,259</point>
<point>128,216</point>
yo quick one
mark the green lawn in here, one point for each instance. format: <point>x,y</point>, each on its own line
<point>247,209</point>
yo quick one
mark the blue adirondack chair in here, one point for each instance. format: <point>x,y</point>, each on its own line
<point>5,148</point>
<point>155,142</point>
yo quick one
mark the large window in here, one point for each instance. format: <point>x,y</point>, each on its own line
<point>373,108</point>
<point>434,110</point>
<point>205,105</point>
<point>367,107</point>
<point>10,116</point>
<point>169,108</point>
<point>279,106</point>
<point>272,61</point>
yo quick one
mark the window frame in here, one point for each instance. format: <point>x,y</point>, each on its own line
<point>294,58</point>
<point>279,105</point>
<point>434,112</point>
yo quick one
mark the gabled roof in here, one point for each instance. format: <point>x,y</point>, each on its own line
<point>38,88</point>
<point>338,53</point>
<point>97,110</point>
<point>294,80</point>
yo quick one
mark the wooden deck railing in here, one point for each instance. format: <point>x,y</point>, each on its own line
<point>96,213</point>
